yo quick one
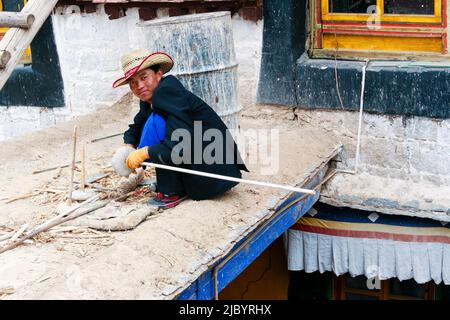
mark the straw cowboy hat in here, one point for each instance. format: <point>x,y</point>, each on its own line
<point>141,59</point>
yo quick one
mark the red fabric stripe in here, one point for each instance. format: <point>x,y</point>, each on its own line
<point>445,44</point>
<point>444,16</point>
<point>319,12</point>
<point>319,38</point>
<point>371,234</point>
<point>344,31</point>
<point>385,24</point>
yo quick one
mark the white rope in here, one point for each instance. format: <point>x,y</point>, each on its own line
<point>361,109</point>
<point>218,176</point>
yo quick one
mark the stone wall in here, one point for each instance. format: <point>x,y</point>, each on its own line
<point>403,166</point>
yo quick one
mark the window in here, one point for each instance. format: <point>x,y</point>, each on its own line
<point>401,11</point>
<point>356,288</point>
<point>419,7</point>
<point>350,6</point>
<point>15,6</point>
<point>379,28</point>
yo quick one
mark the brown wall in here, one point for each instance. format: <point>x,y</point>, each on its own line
<point>248,9</point>
<point>267,278</point>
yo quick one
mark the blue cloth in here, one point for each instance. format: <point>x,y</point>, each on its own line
<point>154,131</point>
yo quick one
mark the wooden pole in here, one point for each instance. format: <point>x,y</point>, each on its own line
<point>24,196</point>
<point>18,233</point>
<point>16,20</point>
<point>74,149</point>
<point>106,137</point>
<point>54,168</point>
<point>6,236</point>
<point>83,167</point>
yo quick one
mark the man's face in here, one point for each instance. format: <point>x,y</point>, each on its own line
<point>144,83</point>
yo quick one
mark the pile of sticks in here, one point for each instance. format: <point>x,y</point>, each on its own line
<point>48,194</point>
<point>15,238</point>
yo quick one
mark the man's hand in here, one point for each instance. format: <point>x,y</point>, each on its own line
<point>136,158</point>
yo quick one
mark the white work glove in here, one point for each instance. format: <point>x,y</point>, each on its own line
<point>118,161</point>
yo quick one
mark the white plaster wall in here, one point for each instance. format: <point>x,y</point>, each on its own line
<point>415,148</point>
<point>16,121</point>
<point>404,165</point>
<point>89,48</point>
<point>248,44</point>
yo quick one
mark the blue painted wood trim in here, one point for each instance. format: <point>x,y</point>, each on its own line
<point>203,288</point>
<point>261,241</point>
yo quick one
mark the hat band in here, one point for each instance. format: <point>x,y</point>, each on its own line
<point>130,72</point>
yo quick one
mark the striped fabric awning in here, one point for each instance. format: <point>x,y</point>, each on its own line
<point>372,244</point>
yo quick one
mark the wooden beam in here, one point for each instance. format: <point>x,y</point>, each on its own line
<point>16,20</point>
<point>16,40</point>
<point>382,43</point>
<point>379,55</point>
<point>5,56</point>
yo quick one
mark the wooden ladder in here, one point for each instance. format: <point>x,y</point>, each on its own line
<point>23,26</point>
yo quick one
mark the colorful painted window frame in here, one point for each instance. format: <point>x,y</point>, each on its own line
<point>378,35</point>
<point>436,18</point>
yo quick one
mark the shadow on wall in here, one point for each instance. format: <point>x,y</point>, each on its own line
<point>40,83</point>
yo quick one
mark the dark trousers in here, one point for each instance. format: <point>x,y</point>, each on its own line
<point>169,182</point>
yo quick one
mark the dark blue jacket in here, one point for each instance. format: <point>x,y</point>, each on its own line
<point>181,108</point>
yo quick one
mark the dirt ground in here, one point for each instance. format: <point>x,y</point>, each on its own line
<point>165,253</point>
